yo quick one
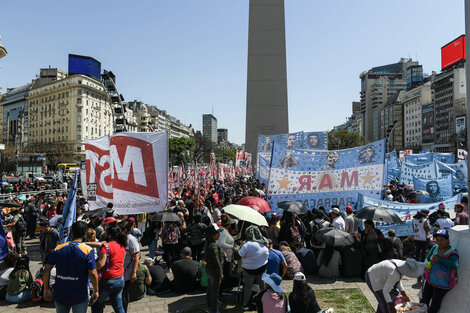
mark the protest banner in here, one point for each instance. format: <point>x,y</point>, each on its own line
<point>405,211</point>
<point>325,178</point>
<point>424,171</point>
<point>129,170</point>
<point>423,158</point>
<point>438,189</point>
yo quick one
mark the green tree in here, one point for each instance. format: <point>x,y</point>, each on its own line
<point>179,150</point>
<point>202,149</point>
<point>224,155</point>
<point>342,139</point>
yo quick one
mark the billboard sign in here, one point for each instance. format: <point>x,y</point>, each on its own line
<point>414,74</point>
<point>453,52</point>
<point>460,124</point>
<point>79,64</point>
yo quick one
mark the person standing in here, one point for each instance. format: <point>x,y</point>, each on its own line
<point>338,220</point>
<point>421,235</point>
<point>32,214</point>
<point>461,217</point>
<point>443,221</point>
<point>131,261</point>
<point>48,239</point>
<point>440,272</point>
<point>214,260</point>
<point>18,228</point>
<point>350,222</point>
<point>75,266</point>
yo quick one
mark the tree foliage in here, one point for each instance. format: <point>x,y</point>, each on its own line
<point>202,149</point>
<point>179,150</point>
<point>225,154</point>
<point>342,139</point>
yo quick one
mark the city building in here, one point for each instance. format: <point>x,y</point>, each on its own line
<point>209,127</point>
<point>392,121</point>
<point>15,116</point>
<point>377,85</point>
<point>63,111</point>
<point>222,135</point>
<point>161,121</point>
<point>413,101</point>
<point>266,94</point>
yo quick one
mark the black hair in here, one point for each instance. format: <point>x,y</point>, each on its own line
<point>126,226</point>
<point>327,255</point>
<point>21,266</point>
<point>78,230</point>
<point>304,294</point>
<point>10,259</point>
<point>114,233</point>
<point>197,218</point>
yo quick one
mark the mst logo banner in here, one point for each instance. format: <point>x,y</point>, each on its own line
<point>326,178</point>
<point>128,169</point>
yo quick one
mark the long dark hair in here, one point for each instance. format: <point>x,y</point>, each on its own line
<point>304,294</point>
<point>22,265</point>
<point>114,233</point>
<point>327,254</point>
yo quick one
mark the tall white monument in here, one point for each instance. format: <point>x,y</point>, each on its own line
<point>266,95</point>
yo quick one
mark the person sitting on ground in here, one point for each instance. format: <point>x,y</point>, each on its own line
<point>272,299</point>
<point>276,261</point>
<point>381,278</point>
<point>293,263</point>
<point>306,258</point>
<point>7,266</point>
<point>19,281</point>
<point>184,273</point>
<point>302,299</point>
<point>329,262</point>
<point>137,289</point>
<point>160,282</point>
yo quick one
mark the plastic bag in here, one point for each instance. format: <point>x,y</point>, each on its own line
<point>407,307</point>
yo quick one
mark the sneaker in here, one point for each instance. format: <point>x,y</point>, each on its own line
<point>246,308</point>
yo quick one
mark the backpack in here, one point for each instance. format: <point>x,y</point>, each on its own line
<point>171,235</point>
<point>20,225</point>
<point>440,276</point>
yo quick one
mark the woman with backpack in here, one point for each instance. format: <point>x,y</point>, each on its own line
<point>19,281</point>
<point>440,271</point>
<point>110,266</point>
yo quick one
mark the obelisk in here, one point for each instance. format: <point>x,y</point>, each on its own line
<point>266,94</point>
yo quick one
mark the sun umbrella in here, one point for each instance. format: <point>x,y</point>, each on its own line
<point>22,197</point>
<point>256,203</point>
<point>8,203</point>
<point>292,206</point>
<point>379,214</point>
<point>171,217</point>
<point>334,237</point>
<point>246,213</point>
<point>97,212</point>
<point>157,217</point>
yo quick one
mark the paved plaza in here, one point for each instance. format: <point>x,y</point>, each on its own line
<point>172,302</point>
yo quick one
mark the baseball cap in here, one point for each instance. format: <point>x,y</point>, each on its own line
<point>335,210</point>
<point>109,220</point>
<point>149,260</point>
<point>349,209</point>
<point>299,276</point>
<point>442,206</point>
<point>443,233</point>
<point>186,251</point>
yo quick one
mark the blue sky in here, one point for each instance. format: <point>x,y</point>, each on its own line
<point>189,56</point>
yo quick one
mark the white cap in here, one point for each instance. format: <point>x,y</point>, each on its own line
<point>299,276</point>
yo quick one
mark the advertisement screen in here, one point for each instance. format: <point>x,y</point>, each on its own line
<point>79,64</point>
<point>428,123</point>
<point>453,52</point>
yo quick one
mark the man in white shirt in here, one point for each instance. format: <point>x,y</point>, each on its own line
<point>443,221</point>
<point>381,278</point>
<point>350,222</point>
<point>421,235</point>
<point>338,220</point>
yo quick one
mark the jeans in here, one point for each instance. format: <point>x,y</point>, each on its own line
<point>382,306</point>
<point>435,294</point>
<point>152,249</point>
<point>212,290</point>
<point>76,308</point>
<point>249,280</point>
<point>111,288</point>
<point>23,296</point>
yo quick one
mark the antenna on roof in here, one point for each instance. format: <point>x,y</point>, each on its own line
<point>212,110</point>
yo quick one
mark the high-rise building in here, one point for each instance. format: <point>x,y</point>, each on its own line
<point>392,121</point>
<point>209,127</point>
<point>63,112</point>
<point>266,94</point>
<point>15,116</point>
<point>377,85</point>
<point>413,101</point>
<point>449,106</point>
<point>222,135</point>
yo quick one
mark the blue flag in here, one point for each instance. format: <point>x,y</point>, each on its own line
<point>69,213</point>
<point>3,241</point>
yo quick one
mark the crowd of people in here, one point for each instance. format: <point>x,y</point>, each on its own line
<point>206,248</point>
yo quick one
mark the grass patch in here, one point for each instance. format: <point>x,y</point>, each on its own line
<point>341,300</point>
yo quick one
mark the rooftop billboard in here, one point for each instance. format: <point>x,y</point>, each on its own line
<point>453,52</point>
<point>79,64</point>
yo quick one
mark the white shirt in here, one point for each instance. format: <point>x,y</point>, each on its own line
<point>384,275</point>
<point>254,255</point>
<point>418,229</point>
<point>445,223</point>
<point>226,242</point>
<point>339,223</point>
